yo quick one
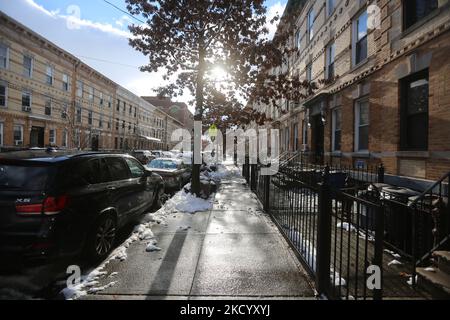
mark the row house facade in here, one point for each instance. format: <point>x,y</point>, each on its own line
<point>48,97</point>
<point>385,89</point>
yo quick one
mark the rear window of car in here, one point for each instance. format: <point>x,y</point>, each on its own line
<point>25,177</point>
<point>163,164</point>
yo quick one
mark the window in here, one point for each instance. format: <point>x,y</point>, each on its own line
<point>49,75</point>
<point>52,137</point>
<point>65,82</point>
<point>137,171</point>
<point>3,94</point>
<point>360,38</point>
<point>298,39</point>
<point>48,106</point>
<point>90,117</point>
<point>109,124</point>
<point>414,110</point>
<point>118,105</point>
<point>64,110</point>
<point>92,171</point>
<point>100,95</point>
<point>295,130</point>
<point>18,135</point>
<point>79,89</point>
<point>64,138</point>
<point>286,138</point>
<point>362,125</point>
<point>27,66</point>
<point>91,93</point>
<point>331,5</point>
<point>310,26</point>
<point>4,56</point>
<point>309,72</point>
<point>1,134</point>
<point>330,55</point>
<point>117,167</point>
<point>123,124</point>
<point>109,101</point>
<point>100,122</point>
<point>117,124</point>
<point>124,107</point>
<point>336,129</point>
<point>79,114</point>
<point>26,101</point>
<point>130,110</point>
<point>416,10</point>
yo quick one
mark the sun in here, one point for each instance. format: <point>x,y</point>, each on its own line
<point>218,73</point>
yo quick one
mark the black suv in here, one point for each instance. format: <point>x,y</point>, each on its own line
<point>56,204</point>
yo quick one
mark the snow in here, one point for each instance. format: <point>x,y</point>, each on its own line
<point>188,203</point>
<point>429,269</point>
<point>346,226</point>
<point>410,281</point>
<point>392,253</point>
<point>151,246</point>
<point>395,263</point>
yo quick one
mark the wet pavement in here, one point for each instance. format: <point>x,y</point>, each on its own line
<point>233,251</point>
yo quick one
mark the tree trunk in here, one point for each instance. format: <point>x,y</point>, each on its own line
<point>195,184</point>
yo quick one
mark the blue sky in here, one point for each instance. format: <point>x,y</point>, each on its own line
<point>98,36</point>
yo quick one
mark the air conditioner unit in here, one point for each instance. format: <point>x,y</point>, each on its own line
<point>18,142</point>
<point>27,109</point>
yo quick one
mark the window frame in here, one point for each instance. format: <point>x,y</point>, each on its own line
<point>30,94</point>
<point>6,67</point>
<point>357,125</point>
<point>310,17</point>
<point>331,6</point>
<point>331,48</point>
<point>356,41</point>
<point>80,89</point>
<point>30,73</point>
<point>50,137</point>
<point>48,103</point>
<point>334,130</point>
<point>21,133</point>
<point>1,133</point>
<point>65,84</point>
<point>5,84</point>
<point>49,77</point>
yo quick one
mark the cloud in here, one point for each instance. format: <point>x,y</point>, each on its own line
<point>74,21</point>
<point>124,20</point>
<point>272,11</point>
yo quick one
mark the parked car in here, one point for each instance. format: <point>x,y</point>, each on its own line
<point>56,204</point>
<point>173,171</point>
<point>144,156</point>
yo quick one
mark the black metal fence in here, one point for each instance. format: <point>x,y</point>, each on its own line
<point>341,221</point>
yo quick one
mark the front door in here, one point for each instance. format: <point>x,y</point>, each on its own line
<point>318,139</point>
<point>37,137</point>
<point>94,143</point>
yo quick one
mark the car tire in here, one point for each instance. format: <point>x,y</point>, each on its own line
<point>157,202</point>
<point>102,237</point>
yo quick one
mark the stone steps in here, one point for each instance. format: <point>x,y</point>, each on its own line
<point>436,280</point>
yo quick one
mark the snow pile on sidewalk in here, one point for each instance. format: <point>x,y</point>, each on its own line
<point>187,202</point>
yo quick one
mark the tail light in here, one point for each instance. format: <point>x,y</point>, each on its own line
<point>50,206</point>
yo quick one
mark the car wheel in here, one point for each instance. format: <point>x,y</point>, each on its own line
<point>102,238</point>
<point>158,201</point>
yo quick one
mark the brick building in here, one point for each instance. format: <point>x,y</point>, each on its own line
<point>48,97</point>
<point>387,98</point>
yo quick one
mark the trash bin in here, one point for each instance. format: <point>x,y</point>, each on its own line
<point>398,217</point>
<point>367,214</point>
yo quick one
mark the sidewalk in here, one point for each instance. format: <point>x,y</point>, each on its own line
<point>232,251</point>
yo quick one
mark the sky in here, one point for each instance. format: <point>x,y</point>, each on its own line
<point>96,32</point>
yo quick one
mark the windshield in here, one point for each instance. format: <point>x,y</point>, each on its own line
<point>162,164</point>
<point>24,177</point>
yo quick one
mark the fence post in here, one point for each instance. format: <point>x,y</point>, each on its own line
<point>253,176</point>
<point>267,193</point>
<point>381,173</point>
<point>324,236</point>
<point>378,253</point>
